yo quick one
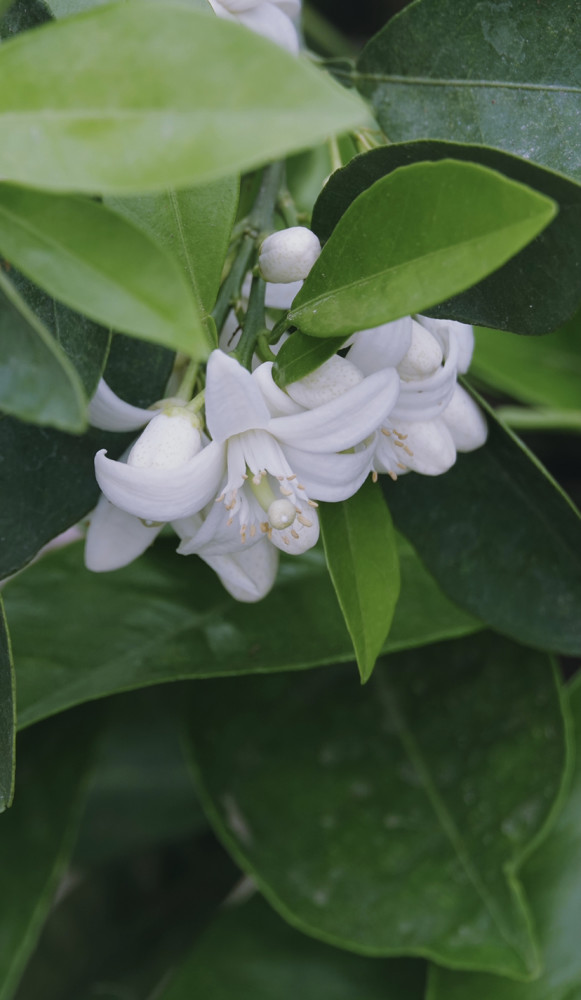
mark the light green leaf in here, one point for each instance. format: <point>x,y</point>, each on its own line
<point>502,74</point>
<point>552,881</point>
<point>193,225</point>
<point>135,97</point>
<point>502,539</point>
<point>412,801</point>
<point>361,552</point>
<point>415,237</point>
<point>268,960</point>
<point>7,716</point>
<point>545,372</point>
<point>96,262</point>
<point>38,382</point>
<point>37,835</point>
<point>79,635</point>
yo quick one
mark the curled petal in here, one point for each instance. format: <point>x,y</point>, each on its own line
<point>279,404</point>
<point>460,334</point>
<point>425,398</point>
<point>344,422</point>
<point>331,477</point>
<point>110,413</point>
<point>381,347</point>
<point>162,494</point>
<point>429,447</point>
<point>247,575</point>
<point>267,20</point>
<point>115,538</point>
<point>465,421</point>
<point>234,403</point>
<point>424,355</point>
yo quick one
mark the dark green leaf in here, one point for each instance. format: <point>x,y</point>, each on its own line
<point>79,635</point>
<point>47,479</point>
<point>552,880</point>
<point>21,15</point>
<point>7,716</point>
<point>193,225</point>
<point>37,835</point>
<point>532,293</point>
<point>502,540</point>
<point>137,97</point>
<point>247,953</point>
<point>37,380</point>
<point>503,73</point>
<point>361,551</point>
<point>95,261</point>
<point>300,355</point>
<point>543,372</point>
<point>411,801</point>
<point>412,239</point>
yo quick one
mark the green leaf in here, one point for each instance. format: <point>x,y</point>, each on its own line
<point>501,539</point>
<point>361,552</point>
<point>267,960</point>
<point>135,97</point>
<point>543,372</point>
<point>193,225</point>
<point>95,261</point>
<point>7,716</point>
<point>503,74</point>
<point>37,380</point>
<point>79,635</point>
<point>37,835</point>
<point>415,237</point>
<point>47,478</point>
<point>411,801</point>
<point>300,355</point>
<point>552,880</point>
<point>532,293</point>
<point>21,15</point>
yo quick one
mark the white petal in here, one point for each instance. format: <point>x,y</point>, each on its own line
<point>234,403</point>
<point>423,357</point>
<point>331,477</point>
<point>282,296</point>
<point>465,421</point>
<point>110,413</point>
<point>163,494</point>
<point>431,445</point>
<point>425,398</point>
<point>381,347</point>
<point>169,440</point>
<point>230,333</point>
<point>279,404</point>
<point>211,535</point>
<point>270,22</point>
<point>247,575</point>
<point>344,422</point>
<point>115,538</point>
<point>461,334</point>
<point>329,381</point>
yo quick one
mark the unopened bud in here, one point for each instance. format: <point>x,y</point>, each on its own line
<point>334,377</point>
<point>423,356</point>
<point>169,440</point>
<point>288,255</point>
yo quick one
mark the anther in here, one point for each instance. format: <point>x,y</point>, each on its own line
<point>392,475</point>
<point>285,492</point>
<point>312,503</point>
<point>304,520</point>
<point>294,533</point>
<point>398,444</point>
<point>400,465</point>
<point>408,451</point>
<point>286,540</point>
<point>264,526</point>
<point>252,530</point>
<point>374,476</point>
<point>385,431</point>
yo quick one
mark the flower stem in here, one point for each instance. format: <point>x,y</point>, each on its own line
<point>254,322</point>
<point>186,386</point>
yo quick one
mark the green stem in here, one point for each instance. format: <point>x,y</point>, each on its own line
<point>186,386</point>
<point>254,322</point>
<point>523,419</point>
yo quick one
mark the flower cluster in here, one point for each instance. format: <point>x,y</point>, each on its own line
<point>246,481</point>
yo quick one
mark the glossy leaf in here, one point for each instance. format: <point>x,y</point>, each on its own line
<point>95,261</point>
<point>268,960</point>
<point>552,881</point>
<point>137,97</point>
<point>300,355</point>
<point>543,372</point>
<point>193,225</point>
<point>501,538</point>
<point>47,478</point>
<point>7,716</point>
<point>37,835</point>
<point>167,618</point>
<point>503,74</point>
<point>37,380</point>
<point>361,552</point>
<point>412,801</point>
<point>532,293</point>
<point>415,237</point>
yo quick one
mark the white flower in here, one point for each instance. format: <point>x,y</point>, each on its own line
<point>110,413</point>
<point>433,417</point>
<point>271,18</point>
<point>267,461</point>
<point>288,255</point>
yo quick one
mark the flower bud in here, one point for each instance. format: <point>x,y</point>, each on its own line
<point>423,356</point>
<point>334,377</point>
<point>168,441</point>
<point>288,255</point>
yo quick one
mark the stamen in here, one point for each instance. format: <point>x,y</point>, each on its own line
<point>374,476</point>
<point>300,487</point>
<point>286,540</point>
<point>385,431</point>
<point>400,465</point>
<point>220,498</point>
<point>252,530</point>
<point>229,522</point>
<point>290,478</point>
<point>392,475</point>
<point>285,492</point>
<point>304,520</point>
<point>312,503</point>
<point>398,444</point>
<point>294,533</point>
<point>264,526</point>
<point>257,479</point>
<point>408,451</point>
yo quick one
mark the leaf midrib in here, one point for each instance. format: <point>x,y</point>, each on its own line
<point>426,81</point>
